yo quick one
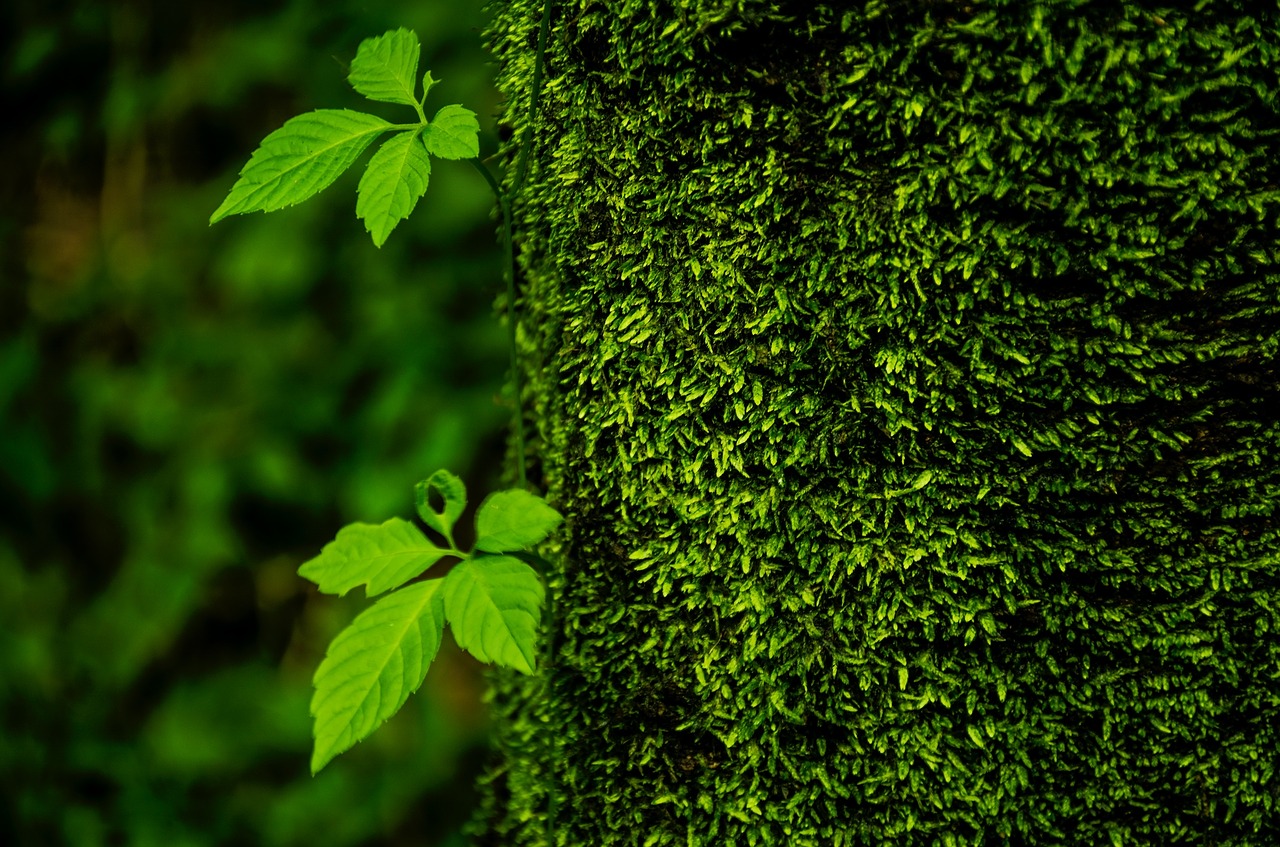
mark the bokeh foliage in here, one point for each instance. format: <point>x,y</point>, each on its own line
<point>186,414</point>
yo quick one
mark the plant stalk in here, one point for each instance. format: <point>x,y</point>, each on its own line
<point>504,202</point>
<point>516,382</point>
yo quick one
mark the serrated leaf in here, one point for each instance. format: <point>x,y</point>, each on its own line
<point>454,133</point>
<point>493,605</point>
<point>513,520</point>
<point>300,159</point>
<point>378,556</point>
<point>393,183</point>
<point>386,68</point>
<point>373,666</point>
<point>451,490</point>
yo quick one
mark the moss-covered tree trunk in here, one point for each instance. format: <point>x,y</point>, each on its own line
<point>908,378</point>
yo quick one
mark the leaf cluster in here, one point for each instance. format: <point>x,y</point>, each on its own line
<point>310,151</point>
<point>491,599</point>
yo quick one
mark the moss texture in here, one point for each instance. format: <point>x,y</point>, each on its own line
<point>908,378</point>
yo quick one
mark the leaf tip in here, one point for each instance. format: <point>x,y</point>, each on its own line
<point>319,759</point>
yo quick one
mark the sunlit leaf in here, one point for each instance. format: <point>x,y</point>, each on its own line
<point>454,133</point>
<point>513,520</point>
<point>493,605</point>
<point>386,68</point>
<point>373,666</point>
<point>428,82</point>
<point>300,159</point>
<point>380,557</point>
<point>451,491</point>
<point>393,183</point>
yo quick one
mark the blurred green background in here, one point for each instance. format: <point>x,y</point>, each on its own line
<point>188,413</point>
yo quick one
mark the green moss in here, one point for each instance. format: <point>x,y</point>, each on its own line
<point>907,377</point>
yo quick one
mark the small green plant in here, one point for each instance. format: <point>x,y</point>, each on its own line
<point>309,152</point>
<point>492,598</point>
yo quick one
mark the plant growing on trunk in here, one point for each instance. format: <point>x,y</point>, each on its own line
<point>492,598</point>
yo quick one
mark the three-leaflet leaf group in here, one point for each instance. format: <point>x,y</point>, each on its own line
<point>310,151</point>
<point>491,600</point>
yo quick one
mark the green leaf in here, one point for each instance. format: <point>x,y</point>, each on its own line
<point>373,666</point>
<point>449,489</point>
<point>300,159</point>
<point>513,520</point>
<point>379,557</point>
<point>975,735</point>
<point>454,133</point>
<point>428,82</point>
<point>393,183</point>
<point>493,605</point>
<point>386,68</point>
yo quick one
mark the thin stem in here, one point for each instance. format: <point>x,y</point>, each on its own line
<point>549,664</point>
<point>516,381</point>
<point>553,628</point>
<point>552,625</point>
<point>533,97</point>
<point>504,201</point>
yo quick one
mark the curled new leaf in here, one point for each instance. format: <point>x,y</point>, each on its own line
<point>386,68</point>
<point>454,133</point>
<point>380,557</point>
<point>393,183</point>
<point>428,82</point>
<point>373,666</point>
<point>451,491</point>
<point>299,160</point>
<point>513,520</point>
<point>493,604</point>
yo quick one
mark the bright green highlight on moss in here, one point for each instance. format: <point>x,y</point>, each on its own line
<point>492,602</point>
<point>310,151</point>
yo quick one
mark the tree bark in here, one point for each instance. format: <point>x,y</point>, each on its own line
<point>907,376</point>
